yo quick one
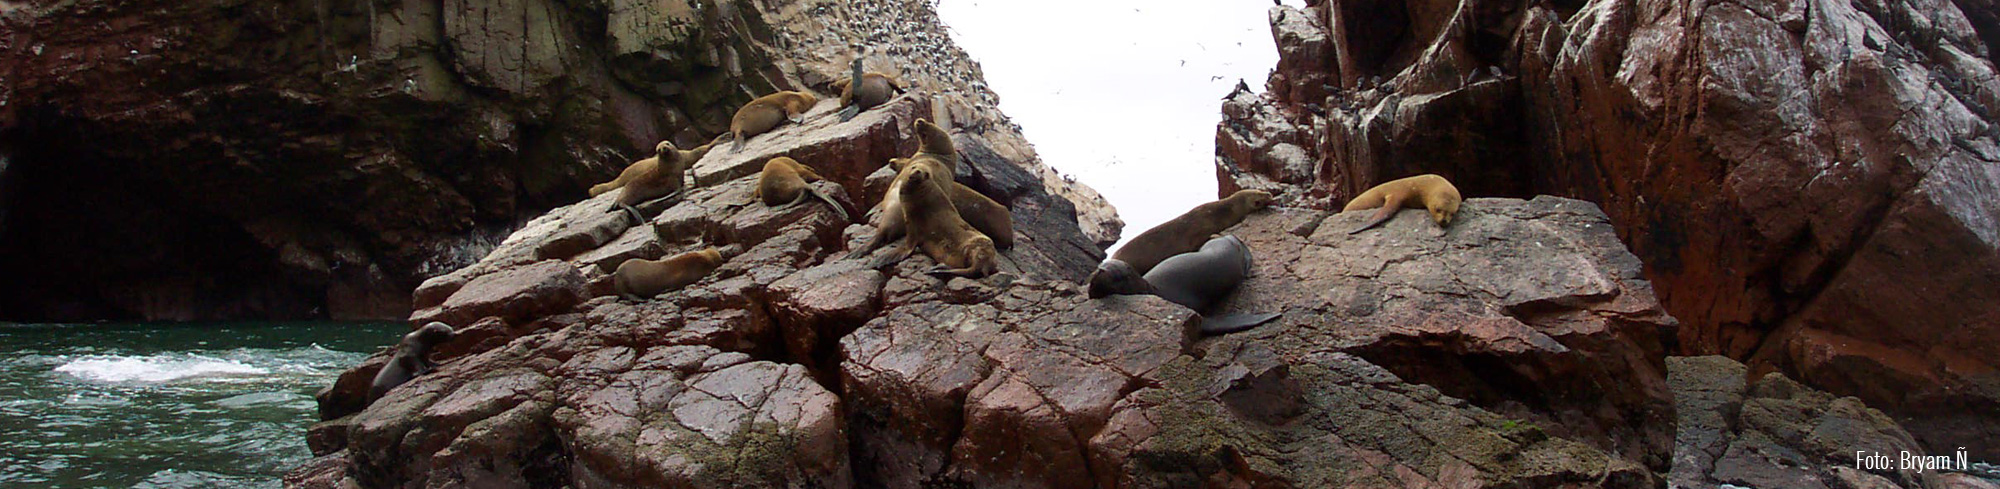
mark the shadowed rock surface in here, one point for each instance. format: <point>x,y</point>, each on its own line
<point>1814,186</point>
<point>222,159</point>
<point>1517,348</point>
<point>1777,433</point>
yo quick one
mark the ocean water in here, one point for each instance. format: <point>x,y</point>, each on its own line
<point>218,405</point>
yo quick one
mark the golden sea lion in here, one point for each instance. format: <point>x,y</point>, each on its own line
<point>1187,232</point>
<point>411,358</point>
<point>766,112</point>
<point>863,91</point>
<point>982,212</point>
<point>639,279</point>
<point>935,228</point>
<point>1433,192</point>
<point>785,182</point>
<point>936,153</point>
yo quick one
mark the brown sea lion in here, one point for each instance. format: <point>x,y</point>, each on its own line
<point>1187,232</point>
<point>935,152</point>
<point>662,176</point>
<point>411,358</point>
<point>935,228</point>
<point>785,182</point>
<point>1433,192</point>
<point>1198,280</point>
<point>985,214</point>
<point>766,112</point>
<point>639,279</point>
<point>863,91</point>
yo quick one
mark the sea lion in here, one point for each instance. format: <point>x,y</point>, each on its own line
<point>640,279</point>
<point>863,91</point>
<point>659,177</point>
<point>935,228</point>
<point>1198,280</point>
<point>1433,192</point>
<point>766,112</point>
<point>982,212</point>
<point>410,359</point>
<point>1187,232</point>
<point>937,153</point>
<point>785,182</point>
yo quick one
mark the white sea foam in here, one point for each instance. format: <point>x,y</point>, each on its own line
<point>155,368</point>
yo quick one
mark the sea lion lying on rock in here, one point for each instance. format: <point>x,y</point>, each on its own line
<point>1197,280</point>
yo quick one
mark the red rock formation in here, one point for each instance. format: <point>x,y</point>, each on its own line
<point>215,159</point>
<point>1406,356</point>
<point>1812,185</point>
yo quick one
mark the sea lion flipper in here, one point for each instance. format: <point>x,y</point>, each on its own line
<point>675,195</point>
<point>736,144</point>
<point>902,251</point>
<point>837,210</point>
<point>942,272</point>
<point>1230,323</point>
<point>637,218</point>
<point>847,113</point>
<point>1388,211</point>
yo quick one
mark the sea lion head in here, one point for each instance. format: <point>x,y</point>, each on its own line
<point>933,139</point>
<point>432,334</point>
<point>1444,212</point>
<point>664,148</point>
<point>805,101</point>
<point>1115,277</point>
<point>1252,198</point>
<point>915,180</point>
<point>711,256</point>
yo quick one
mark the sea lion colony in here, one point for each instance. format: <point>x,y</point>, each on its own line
<point>1186,260</point>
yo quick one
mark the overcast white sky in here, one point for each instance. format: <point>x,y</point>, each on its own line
<point>1122,94</point>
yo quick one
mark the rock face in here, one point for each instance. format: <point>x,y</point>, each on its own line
<point>1777,433</point>
<point>1814,186</point>
<point>1518,348</point>
<point>218,159</point>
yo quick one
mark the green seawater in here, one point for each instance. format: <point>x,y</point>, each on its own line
<point>218,405</point>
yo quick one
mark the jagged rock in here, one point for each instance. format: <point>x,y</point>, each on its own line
<point>1778,433</point>
<point>554,381</point>
<point>185,160</point>
<point>1810,183</point>
<point>1516,347</point>
<point>1038,387</point>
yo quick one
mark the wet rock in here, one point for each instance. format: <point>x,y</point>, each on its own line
<point>516,295</point>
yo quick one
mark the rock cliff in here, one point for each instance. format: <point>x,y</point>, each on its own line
<point>1517,348</point>
<point>218,159</point>
<point>1814,186</point>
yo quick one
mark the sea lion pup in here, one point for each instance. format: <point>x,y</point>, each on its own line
<point>766,112</point>
<point>1197,280</point>
<point>1433,192</point>
<point>640,279</point>
<point>1190,230</point>
<point>784,182</point>
<point>410,358</point>
<point>863,91</point>
<point>935,228</point>
<point>935,152</point>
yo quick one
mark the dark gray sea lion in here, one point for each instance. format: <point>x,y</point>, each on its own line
<point>410,359</point>
<point>1197,279</point>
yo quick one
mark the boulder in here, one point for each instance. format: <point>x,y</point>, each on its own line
<point>1810,184</point>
